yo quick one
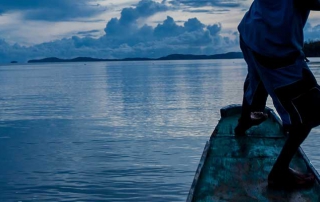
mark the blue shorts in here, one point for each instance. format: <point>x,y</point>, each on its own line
<point>292,86</point>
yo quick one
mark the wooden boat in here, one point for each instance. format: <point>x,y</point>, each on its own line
<point>236,168</point>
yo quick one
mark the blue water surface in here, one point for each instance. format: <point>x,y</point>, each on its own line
<point>113,131</point>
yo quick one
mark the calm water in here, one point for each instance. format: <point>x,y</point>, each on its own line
<point>117,131</point>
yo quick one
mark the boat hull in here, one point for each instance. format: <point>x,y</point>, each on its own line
<point>236,168</point>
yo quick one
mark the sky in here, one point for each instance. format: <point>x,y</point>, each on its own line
<point>35,29</point>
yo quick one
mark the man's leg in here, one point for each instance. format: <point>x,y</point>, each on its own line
<point>247,118</point>
<point>303,117</point>
<point>289,82</point>
<point>281,176</point>
<point>258,101</point>
<point>254,97</point>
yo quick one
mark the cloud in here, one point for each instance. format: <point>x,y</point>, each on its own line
<point>52,10</point>
<point>193,24</point>
<point>202,3</point>
<point>90,33</point>
<point>311,32</point>
<point>192,38</point>
<point>168,29</point>
<point>209,11</point>
<point>129,16</point>
<point>147,8</point>
<point>144,8</point>
<point>167,32</point>
<point>125,37</point>
<point>214,29</point>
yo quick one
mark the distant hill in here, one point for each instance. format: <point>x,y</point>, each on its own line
<point>230,55</point>
<point>312,48</point>
<point>85,59</point>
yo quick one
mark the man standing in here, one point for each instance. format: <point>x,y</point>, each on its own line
<point>271,39</point>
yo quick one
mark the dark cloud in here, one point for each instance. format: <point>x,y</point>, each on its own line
<point>210,11</point>
<point>124,37</point>
<point>144,8</point>
<point>168,28</point>
<point>90,33</point>
<point>147,8</point>
<point>193,24</point>
<point>52,10</point>
<point>201,3</point>
<point>214,29</point>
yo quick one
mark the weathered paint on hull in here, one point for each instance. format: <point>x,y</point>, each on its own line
<point>236,168</point>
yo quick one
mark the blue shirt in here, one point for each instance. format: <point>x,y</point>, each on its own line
<point>274,28</point>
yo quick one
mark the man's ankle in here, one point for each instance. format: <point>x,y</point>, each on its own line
<point>244,124</point>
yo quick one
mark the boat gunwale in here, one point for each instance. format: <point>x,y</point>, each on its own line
<point>198,171</point>
<point>223,113</point>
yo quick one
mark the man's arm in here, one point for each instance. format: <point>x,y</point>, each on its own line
<point>313,5</point>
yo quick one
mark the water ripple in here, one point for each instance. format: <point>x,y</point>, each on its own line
<point>118,131</point>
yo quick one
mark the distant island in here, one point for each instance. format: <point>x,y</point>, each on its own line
<point>230,55</point>
<point>311,49</point>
